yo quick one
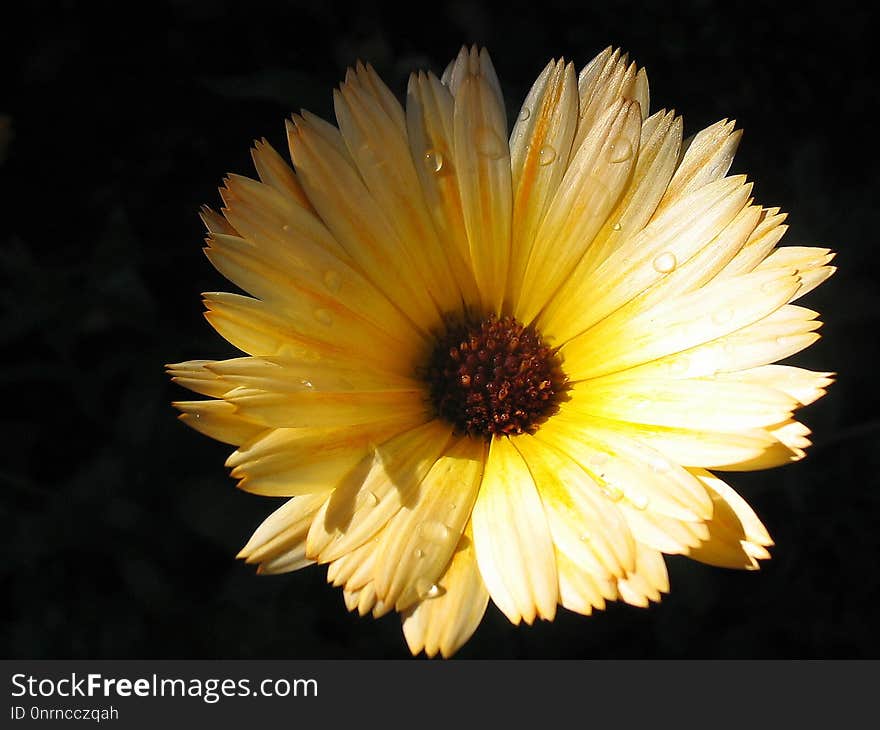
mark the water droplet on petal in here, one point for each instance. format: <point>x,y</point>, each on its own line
<point>324,317</point>
<point>621,150</point>
<point>434,160</point>
<point>285,227</point>
<point>679,366</point>
<point>489,143</point>
<point>722,316</point>
<point>616,226</point>
<point>369,499</point>
<point>665,263</point>
<point>770,287</point>
<point>306,384</point>
<point>524,114</point>
<point>660,465</point>
<point>586,536</point>
<point>332,280</point>
<point>612,492</point>
<point>639,501</point>
<point>428,589</point>
<point>419,553</point>
<point>435,531</point>
<point>546,155</point>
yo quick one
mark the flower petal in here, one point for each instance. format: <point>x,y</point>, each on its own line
<point>219,420</point>
<point>420,539</point>
<point>540,145</point>
<point>381,151</point>
<point>350,212</point>
<point>735,532</point>
<point>513,543</point>
<point>442,623</point>
<point>482,162</point>
<point>375,490</point>
<point>290,461</point>
<point>593,183</point>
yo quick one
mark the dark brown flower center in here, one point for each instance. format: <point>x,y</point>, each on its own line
<point>495,377</point>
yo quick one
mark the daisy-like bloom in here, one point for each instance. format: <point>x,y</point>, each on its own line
<point>489,366</point>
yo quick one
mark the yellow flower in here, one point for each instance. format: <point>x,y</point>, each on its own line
<point>483,368</point>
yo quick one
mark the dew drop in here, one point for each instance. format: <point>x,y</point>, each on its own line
<point>612,492</point>
<point>324,317</point>
<point>639,501</point>
<point>770,287</point>
<point>665,263</point>
<point>616,226</point>
<point>660,465</point>
<point>285,227</point>
<point>722,316</point>
<point>524,114</point>
<point>306,384</point>
<point>679,366</point>
<point>434,160</point>
<point>621,150</point>
<point>427,589</point>
<point>489,144</point>
<point>546,155</point>
<point>586,536</point>
<point>332,280</point>
<point>435,531</point>
<point>419,553</point>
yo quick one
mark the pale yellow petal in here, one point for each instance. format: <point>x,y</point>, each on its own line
<point>513,542</point>
<point>805,386</point>
<point>218,419</point>
<point>579,589</point>
<point>482,162</point>
<point>376,489</point>
<point>659,145</point>
<point>274,171</point>
<point>268,217</point>
<point>284,531</point>
<point>311,408</point>
<point>588,192</point>
<point>644,259</point>
<point>196,377</point>
<point>766,235</point>
<point>316,292</point>
<point>429,116</point>
<point>713,405</point>
<point>540,145</point>
<point>626,468</point>
<point>784,332</point>
<point>419,540</point>
<point>381,153</point>
<point>733,528</point>
<point>289,461</point>
<point>585,525</point>
<point>350,212</point>
<point>647,581</point>
<point>446,620</point>
<point>259,329</point>
<point>707,158</point>
<point>677,324</point>
<point>605,80</point>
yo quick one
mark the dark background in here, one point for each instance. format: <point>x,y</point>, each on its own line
<point>119,120</point>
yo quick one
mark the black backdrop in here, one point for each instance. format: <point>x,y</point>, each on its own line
<point>120,524</point>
